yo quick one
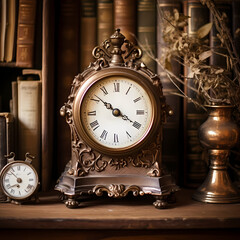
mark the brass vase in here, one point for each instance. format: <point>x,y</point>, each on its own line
<point>218,134</point>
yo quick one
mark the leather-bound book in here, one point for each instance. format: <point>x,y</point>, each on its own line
<point>104,20</point>
<point>6,142</point>
<point>195,164</point>
<point>88,34</point>
<point>29,116</point>
<point>10,44</point>
<point>224,7</point>
<point>125,18</point>
<point>67,66</point>
<point>146,30</point>
<point>26,33</point>
<point>236,24</point>
<point>171,129</point>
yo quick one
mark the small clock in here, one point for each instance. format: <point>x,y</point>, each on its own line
<point>19,179</point>
<point>115,111</point>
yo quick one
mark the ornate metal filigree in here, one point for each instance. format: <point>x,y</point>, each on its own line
<point>86,159</point>
<point>118,163</point>
<point>117,190</point>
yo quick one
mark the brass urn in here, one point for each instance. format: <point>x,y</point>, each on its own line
<point>218,134</point>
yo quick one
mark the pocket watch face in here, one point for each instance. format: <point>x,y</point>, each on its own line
<point>116,113</point>
<point>19,180</point>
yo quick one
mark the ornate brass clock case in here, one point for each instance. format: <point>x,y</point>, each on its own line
<point>115,111</point>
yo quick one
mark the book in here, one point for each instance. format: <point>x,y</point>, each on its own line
<point>26,33</point>
<point>125,18</point>
<point>88,23</point>
<point>48,96</point>
<point>223,6</point>
<point>3,23</point>
<point>172,128</point>
<point>146,30</point>
<point>236,24</point>
<point>104,20</point>
<point>29,117</point>
<point>195,163</point>
<point>11,31</point>
<point>7,142</point>
<point>68,35</point>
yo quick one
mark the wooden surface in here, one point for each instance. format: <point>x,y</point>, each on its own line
<point>127,213</point>
<point>131,218</point>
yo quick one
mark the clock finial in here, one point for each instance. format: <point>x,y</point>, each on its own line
<point>117,40</point>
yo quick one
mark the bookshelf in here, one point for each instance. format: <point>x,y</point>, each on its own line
<point>60,60</point>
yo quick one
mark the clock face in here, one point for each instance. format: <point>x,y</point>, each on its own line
<point>116,112</point>
<point>19,180</point>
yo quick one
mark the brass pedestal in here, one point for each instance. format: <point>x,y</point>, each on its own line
<point>217,187</point>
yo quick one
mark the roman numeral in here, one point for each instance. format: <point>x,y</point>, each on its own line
<point>128,134</point>
<point>136,125</point>
<point>93,99</point>
<point>137,99</point>
<point>116,87</point>
<point>94,125</point>
<point>92,113</point>
<point>104,135</point>
<point>115,137</point>
<point>104,90</point>
<point>128,90</point>
<point>18,168</point>
<point>140,112</point>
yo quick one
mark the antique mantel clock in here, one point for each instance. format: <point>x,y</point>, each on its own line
<point>115,111</point>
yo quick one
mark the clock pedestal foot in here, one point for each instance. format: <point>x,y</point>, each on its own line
<point>161,202</point>
<point>71,202</point>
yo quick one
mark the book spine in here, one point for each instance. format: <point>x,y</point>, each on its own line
<point>215,42</point>
<point>104,20</point>
<point>89,25</point>
<point>26,33</point>
<point>3,151</point>
<point>67,67</point>
<point>48,93</point>
<point>146,30</point>
<point>125,18</point>
<point>3,27</point>
<point>171,129</point>
<point>29,120</point>
<point>236,24</point>
<point>10,33</point>
<point>195,164</point>
<point>6,142</point>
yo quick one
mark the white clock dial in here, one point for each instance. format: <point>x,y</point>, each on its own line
<point>19,180</point>
<point>117,112</point>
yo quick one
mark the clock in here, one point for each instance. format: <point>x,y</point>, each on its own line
<point>19,179</point>
<point>115,111</point>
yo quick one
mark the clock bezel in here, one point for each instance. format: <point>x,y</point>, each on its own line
<point>3,172</point>
<point>144,81</point>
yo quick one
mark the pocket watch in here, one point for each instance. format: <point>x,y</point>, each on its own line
<point>19,179</point>
<point>115,111</point>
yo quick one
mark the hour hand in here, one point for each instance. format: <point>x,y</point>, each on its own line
<point>124,117</point>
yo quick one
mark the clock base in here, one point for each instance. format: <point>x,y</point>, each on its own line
<point>116,186</point>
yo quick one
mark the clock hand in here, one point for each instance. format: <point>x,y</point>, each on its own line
<point>15,185</point>
<point>124,117</point>
<point>107,105</point>
<point>13,174</point>
<point>115,111</point>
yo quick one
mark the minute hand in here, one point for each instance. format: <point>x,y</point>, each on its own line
<point>107,105</point>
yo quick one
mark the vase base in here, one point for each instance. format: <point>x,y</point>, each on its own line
<point>205,194</point>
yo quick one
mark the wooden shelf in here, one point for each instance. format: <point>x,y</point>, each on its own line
<point>134,213</point>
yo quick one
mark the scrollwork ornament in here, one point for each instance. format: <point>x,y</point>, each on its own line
<point>118,163</point>
<point>117,190</point>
